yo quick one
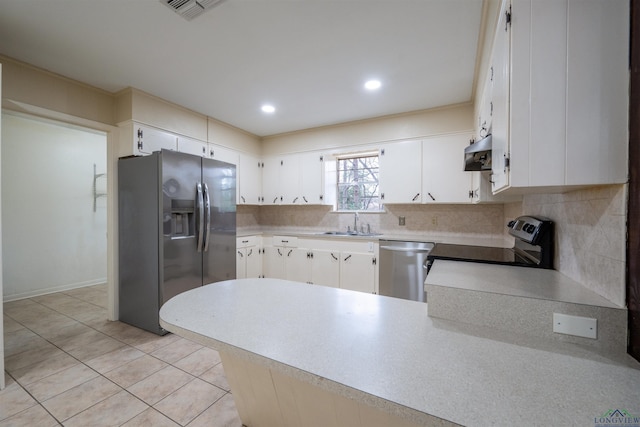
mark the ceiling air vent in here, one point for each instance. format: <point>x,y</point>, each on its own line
<point>189,9</point>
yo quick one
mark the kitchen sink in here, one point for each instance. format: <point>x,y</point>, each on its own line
<point>349,233</point>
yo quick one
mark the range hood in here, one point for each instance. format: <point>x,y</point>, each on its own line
<point>477,156</point>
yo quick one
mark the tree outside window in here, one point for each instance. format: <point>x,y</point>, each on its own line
<point>358,184</point>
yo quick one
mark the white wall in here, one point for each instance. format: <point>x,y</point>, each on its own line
<point>52,239</point>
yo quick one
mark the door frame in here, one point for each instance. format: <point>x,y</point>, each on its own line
<point>633,205</point>
<point>113,134</point>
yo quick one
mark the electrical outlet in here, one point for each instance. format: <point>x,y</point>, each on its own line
<point>434,220</point>
<point>401,220</point>
<point>575,325</point>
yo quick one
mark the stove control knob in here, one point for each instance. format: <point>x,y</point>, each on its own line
<point>511,224</point>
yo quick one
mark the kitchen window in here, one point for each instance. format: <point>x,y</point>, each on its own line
<point>358,184</point>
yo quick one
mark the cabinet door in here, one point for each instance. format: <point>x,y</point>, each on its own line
<point>445,180</point>
<point>289,180</point>
<point>147,140</point>
<point>501,81</point>
<point>271,181</point>
<point>325,268</point>
<point>223,154</point>
<point>249,180</point>
<point>274,262</point>
<point>192,146</point>
<point>297,264</point>
<point>357,271</point>
<point>311,178</point>
<point>241,263</point>
<point>400,172</point>
<point>253,262</point>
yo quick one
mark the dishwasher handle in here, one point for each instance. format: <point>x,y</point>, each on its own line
<point>397,249</point>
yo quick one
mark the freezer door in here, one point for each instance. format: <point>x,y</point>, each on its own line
<point>219,259</point>
<point>180,261</point>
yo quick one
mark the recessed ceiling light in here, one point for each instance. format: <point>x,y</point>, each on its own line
<point>268,108</point>
<point>372,85</point>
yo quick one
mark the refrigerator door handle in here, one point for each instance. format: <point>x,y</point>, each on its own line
<point>207,218</point>
<point>200,208</point>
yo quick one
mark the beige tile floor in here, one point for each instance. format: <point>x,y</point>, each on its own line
<point>67,365</point>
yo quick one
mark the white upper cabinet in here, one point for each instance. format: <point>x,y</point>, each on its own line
<point>223,154</point>
<point>560,94</point>
<point>311,173</point>
<point>140,140</point>
<point>428,171</point>
<point>192,146</point>
<point>401,172</point>
<point>293,179</point>
<point>250,180</point>
<point>444,178</point>
<point>271,181</point>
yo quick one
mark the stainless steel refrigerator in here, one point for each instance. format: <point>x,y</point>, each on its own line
<point>177,230</point>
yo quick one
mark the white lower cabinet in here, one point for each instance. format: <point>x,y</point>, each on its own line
<point>358,271</point>
<point>339,263</point>
<point>296,265</point>
<point>248,257</point>
<point>325,267</point>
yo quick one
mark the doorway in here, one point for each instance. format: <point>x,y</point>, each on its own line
<point>54,210</point>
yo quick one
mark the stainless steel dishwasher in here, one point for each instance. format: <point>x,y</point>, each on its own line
<point>403,269</point>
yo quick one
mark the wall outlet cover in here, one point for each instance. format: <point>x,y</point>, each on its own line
<point>575,325</point>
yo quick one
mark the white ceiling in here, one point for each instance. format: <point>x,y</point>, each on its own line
<point>309,58</point>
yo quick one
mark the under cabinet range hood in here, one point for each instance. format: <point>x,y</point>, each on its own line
<point>477,156</point>
<point>189,9</point>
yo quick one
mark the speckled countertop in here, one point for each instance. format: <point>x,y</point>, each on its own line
<point>476,240</point>
<point>511,280</point>
<point>390,353</point>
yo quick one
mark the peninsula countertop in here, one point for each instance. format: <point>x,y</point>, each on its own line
<point>389,353</point>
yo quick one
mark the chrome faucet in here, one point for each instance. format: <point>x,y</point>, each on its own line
<point>355,222</point>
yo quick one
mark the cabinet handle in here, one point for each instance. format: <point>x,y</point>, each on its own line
<point>240,253</point>
<point>333,256</point>
<point>415,197</point>
<point>245,241</point>
<point>211,153</point>
<point>349,256</point>
<point>311,255</point>
<point>243,199</point>
<point>289,254</point>
<point>250,252</point>
<point>432,198</point>
<point>295,199</point>
<point>382,196</point>
<point>374,261</point>
<point>470,194</point>
<point>204,150</point>
<point>275,200</point>
<point>279,253</point>
<point>305,199</point>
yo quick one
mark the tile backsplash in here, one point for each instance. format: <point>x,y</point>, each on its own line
<point>590,236</point>
<point>590,228</point>
<point>429,220</point>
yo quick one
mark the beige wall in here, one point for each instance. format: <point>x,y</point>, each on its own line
<point>30,85</point>
<point>418,124</point>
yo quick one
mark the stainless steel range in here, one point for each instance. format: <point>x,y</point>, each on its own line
<point>534,246</point>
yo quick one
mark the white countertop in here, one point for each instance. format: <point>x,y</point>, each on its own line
<point>472,240</point>
<point>388,350</point>
<point>512,280</point>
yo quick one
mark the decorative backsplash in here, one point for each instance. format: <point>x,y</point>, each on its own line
<point>590,236</point>
<point>473,220</point>
<point>590,228</point>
